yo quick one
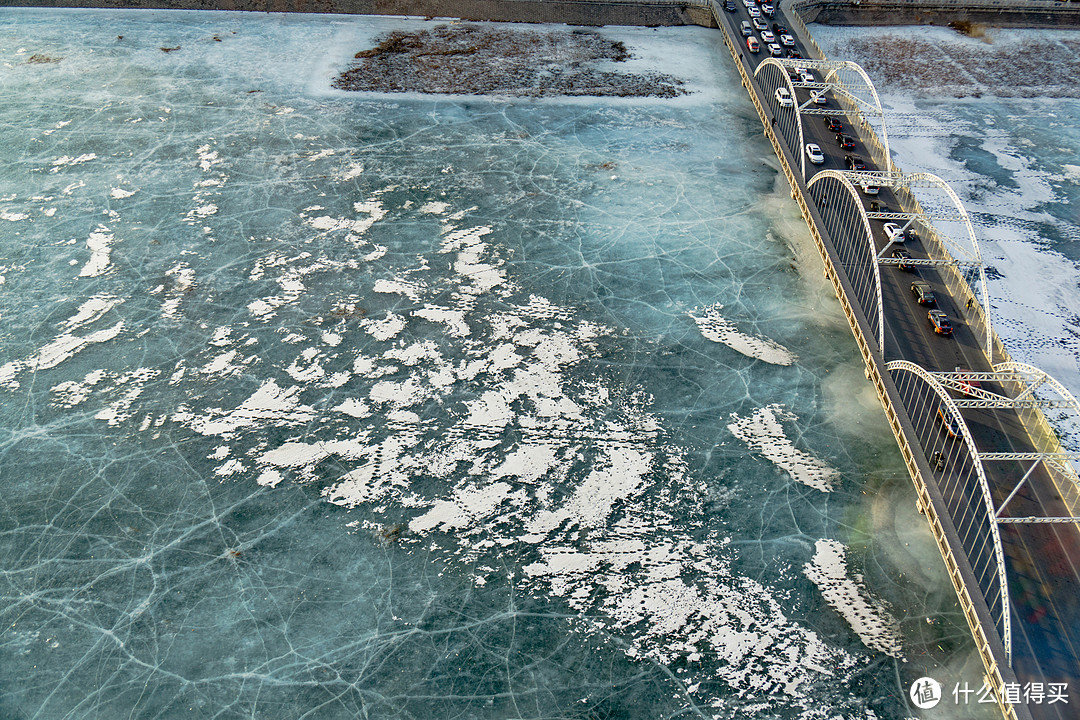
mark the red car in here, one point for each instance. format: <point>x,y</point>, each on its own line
<point>965,382</point>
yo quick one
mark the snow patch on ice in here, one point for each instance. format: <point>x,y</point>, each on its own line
<point>870,618</point>
<point>715,327</point>
<point>763,432</point>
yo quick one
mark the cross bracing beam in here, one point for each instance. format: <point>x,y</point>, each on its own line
<point>1063,456</point>
<point>1038,520</point>
<point>912,216</point>
<point>942,246</point>
<point>981,398</point>
<point>926,262</point>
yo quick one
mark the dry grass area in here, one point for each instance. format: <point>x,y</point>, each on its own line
<point>967,69</point>
<point>476,60</point>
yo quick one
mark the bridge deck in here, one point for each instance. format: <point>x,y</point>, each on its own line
<point>1042,560</point>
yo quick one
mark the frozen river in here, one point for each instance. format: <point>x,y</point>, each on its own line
<point>333,405</point>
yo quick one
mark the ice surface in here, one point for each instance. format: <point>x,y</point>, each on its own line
<point>401,406</point>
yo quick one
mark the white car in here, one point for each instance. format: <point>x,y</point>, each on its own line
<point>767,37</point>
<point>869,189</point>
<point>754,12</point>
<point>760,24</point>
<point>749,4</point>
<point>894,233</point>
<point>806,75</point>
<point>814,155</point>
<point>787,41</point>
<point>783,96</point>
<point>767,8</point>
<point>775,50</point>
<point>819,99</point>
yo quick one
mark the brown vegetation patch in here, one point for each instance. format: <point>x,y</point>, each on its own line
<point>37,59</point>
<point>474,60</point>
<point>964,69</point>
<point>970,29</point>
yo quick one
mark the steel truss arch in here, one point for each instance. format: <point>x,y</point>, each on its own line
<point>842,177</point>
<point>955,253</point>
<point>800,148</point>
<point>844,79</point>
<point>898,366</point>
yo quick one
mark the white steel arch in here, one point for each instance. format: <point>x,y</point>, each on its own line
<point>800,149</point>
<point>897,366</point>
<point>844,179</point>
<point>845,79</point>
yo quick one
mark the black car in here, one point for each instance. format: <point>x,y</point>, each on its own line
<point>779,29</point>
<point>924,294</point>
<point>876,206</point>
<point>902,255</point>
<point>793,53</point>
<point>846,142</point>
<point>730,5</point>
<point>854,162</point>
<point>833,124</point>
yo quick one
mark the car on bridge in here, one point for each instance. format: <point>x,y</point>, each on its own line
<point>767,37</point>
<point>753,45</point>
<point>786,40</point>
<point>814,154</point>
<point>902,255</point>
<point>730,5</point>
<point>894,233</point>
<point>924,294</point>
<point>794,53</point>
<point>779,29</point>
<point>819,98</point>
<point>846,142</point>
<point>768,9</point>
<point>854,162</point>
<point>832,123</point>
<point>754,12</point>
<point>870,189</point>
<point>940,322</point>
<point>747,30</point>
<point>775,50</point>
<point>760,24</point>
<point>965,382</point>
<point>951,426</point>
<point>783,97</point>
